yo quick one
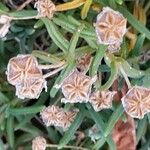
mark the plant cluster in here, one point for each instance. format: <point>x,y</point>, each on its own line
<point>92,59</point>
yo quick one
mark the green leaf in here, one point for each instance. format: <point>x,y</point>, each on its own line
<point>101,125</point>
<point>3,98</point>
<point>10,131</point>
<point>139,43</point>
<point>134,22</point>
<point>113,119</point>
<point>25,110</point>
<point>55,35</point>
<point>47,57</point>
<point>114,73</point>
<point>141,129</point>
<point>97,59</point>
<point>71,131</point>
<point>1,145</point>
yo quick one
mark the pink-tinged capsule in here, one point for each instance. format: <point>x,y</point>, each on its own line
<point>76,88</point>
<point>21,67</point>
<point>39,143</point>
<point>110,28</point>
<point>102,100</point>
<point>137,102</point>
<point>45,8</point>
<point>31,88</point>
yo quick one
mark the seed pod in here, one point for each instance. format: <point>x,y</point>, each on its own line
<point>39,143</point>
<point>110,28</point>
<point>102,100</point>
<point>45,8</point>
<point>21,67</point>
<point>137,102</point>
<point>76,88</point>
<point>31,88</point>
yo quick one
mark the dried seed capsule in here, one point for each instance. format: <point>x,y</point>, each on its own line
<point>102,100</point>
<point>76,88</point>
<point>45,8</point>
<point>137,102</point>
<point>68,118</point>
<point>31,88</point>
<point>4,25</point>
<point>39,143</point>
<point>52,115</point>
<point>21,67</point>
<point>110,28</point>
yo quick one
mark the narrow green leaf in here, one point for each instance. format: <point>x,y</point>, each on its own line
<point>101,125</point>
<point>139,43</point>
<point>47,57</point>
<point>97,59</point>
<point>55,35</point>
<point>70,132</point>
<point>1,145</point>
<point>131,72</point>
<point>10,131</point>
<point>113,119</point>
<point>73,43</point>
<point>134,22</point>
<point>25,110</point>
<point>3,98</point>
<point>114,73</point>
<point>141,129</point>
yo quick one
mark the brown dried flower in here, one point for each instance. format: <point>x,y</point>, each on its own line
<point>45,8</point>
<point>84,62</point>
<point>39,143</point>
<point>52,115</point>
<point>31,88</point>
<point>110,28</point>
<point>137,102</point>
<point>4,25</point>
<point>76,88</point>
<point>21,67</point>
<point>23,72</point>
<point>102,100</point>
<point>68,118</point>
<point>124,134</point>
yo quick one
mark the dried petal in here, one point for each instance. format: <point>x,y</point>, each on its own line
<point>137,102</point>
<point>52,115</point>
<point>46,8</point>
<point>4,25</point>
<point>76,88</point>
<point>124,134</point>
<point>21,67</point>
<point>110,28</point>
<point>39,143</point>
<point>102,100</point>
<point>31,88</point>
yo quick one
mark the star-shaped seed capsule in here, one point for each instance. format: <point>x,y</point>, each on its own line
<point>52,115</point>
<point>45,8</point>
<point>31,88</point>
<point>137,102</point>
<point>21,67</point>
<point>110,28</point>
<point>102,100</point>
<point>76,88</point>
<point>39,143</point>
